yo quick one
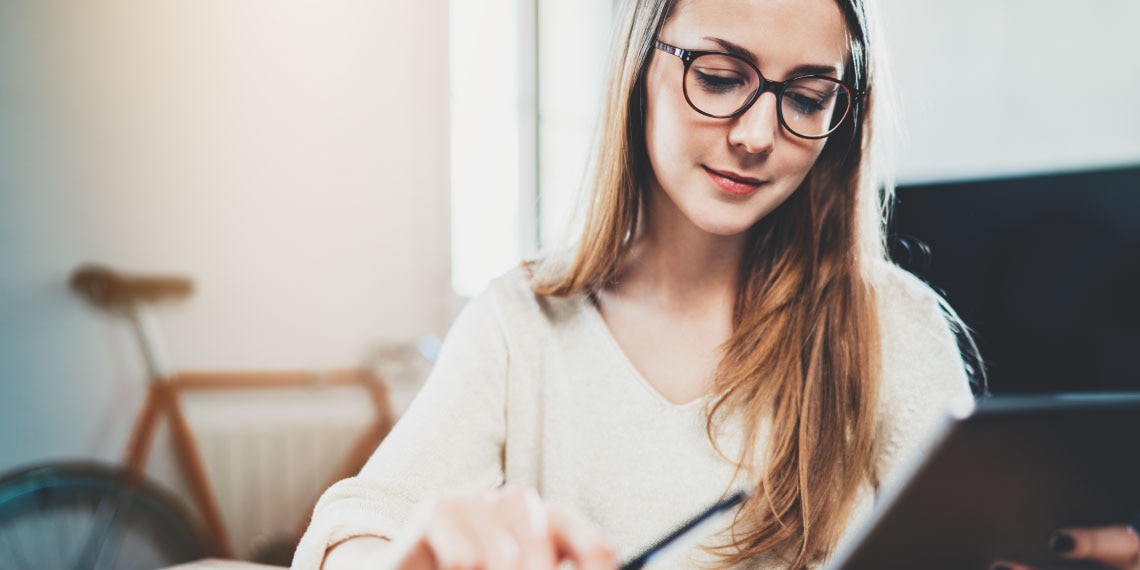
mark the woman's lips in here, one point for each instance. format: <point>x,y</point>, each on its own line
<point>733,183</point>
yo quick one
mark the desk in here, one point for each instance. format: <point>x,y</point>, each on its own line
<point>216,564</point>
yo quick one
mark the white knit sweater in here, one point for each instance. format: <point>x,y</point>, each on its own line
<point>535,390</point>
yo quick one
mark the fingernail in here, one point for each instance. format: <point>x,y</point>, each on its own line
<point>1062,543</point>
<point>1001,567</point>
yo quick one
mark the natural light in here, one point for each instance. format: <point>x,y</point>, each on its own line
<point>516,172</point>
<point>484,142</point>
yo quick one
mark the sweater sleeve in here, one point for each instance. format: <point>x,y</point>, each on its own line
<point>451,438</point>
<point>924,377</point>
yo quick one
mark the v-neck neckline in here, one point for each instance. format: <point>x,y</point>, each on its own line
<point>598,323</point>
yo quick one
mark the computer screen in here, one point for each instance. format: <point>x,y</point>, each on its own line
<point>1044,269</point>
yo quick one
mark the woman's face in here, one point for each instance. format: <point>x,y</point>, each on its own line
<point>723,175</point>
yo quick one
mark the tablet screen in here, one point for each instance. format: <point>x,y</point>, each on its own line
<point>998,482</point>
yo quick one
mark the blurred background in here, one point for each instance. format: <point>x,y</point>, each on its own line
<point>338,177</point>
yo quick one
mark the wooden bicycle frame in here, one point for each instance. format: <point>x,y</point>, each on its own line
<point>163,399</point>
<point>129,296</point>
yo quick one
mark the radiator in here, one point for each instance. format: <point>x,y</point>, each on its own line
<point>270,453</point>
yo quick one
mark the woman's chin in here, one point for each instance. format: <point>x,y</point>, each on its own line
<point>727,220</point>
<point>725,228</point>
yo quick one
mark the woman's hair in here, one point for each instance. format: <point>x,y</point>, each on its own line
<point>805,345</point>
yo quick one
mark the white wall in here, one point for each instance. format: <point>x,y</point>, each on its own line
<point>1008,87</point>
<point>290,156</point>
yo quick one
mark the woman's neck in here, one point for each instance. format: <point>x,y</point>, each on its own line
<point>678,264</point>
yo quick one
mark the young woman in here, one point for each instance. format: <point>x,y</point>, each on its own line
<point>728,319</point>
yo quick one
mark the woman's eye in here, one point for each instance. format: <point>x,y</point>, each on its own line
<point>719,83</point>
<point>806,104</point>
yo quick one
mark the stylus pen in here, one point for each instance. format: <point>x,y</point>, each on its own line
<point>642,559</point>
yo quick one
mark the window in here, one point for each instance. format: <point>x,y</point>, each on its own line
<point>525,87</point>
<point>485,149</point>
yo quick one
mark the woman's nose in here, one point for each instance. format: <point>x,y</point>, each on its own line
<point>756,130</point>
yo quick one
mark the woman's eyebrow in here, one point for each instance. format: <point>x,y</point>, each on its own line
<point>804,69</point>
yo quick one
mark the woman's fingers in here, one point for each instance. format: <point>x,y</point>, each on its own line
<point>1114,546</point>
<point>448,538</point>
<point>489,532</point>
<point>526,519</point>
<point>507,529</point>
<point>578,540</point>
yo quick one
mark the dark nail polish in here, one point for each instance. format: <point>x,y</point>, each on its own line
<point>1001,567</point>
<point>1062,543</point>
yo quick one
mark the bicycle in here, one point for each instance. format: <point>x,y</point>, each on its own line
<point>87,515</point>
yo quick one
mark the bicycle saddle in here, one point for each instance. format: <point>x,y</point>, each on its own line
<point>108,289</point>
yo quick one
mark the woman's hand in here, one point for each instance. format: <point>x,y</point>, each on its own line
<point>508,528</point>
<point>1116,547</point>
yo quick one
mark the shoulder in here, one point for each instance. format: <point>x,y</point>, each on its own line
<point>921,361</point>
<point>511,302</point>
<point>510,289</point>
<point>911,314</point>
<point>900,293</point>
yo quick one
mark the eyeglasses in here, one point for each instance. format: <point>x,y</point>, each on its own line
<point>722,85</point>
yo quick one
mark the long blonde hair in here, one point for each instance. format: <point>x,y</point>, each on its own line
<point>805,345</point>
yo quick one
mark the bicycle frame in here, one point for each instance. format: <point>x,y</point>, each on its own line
<point>163,399</point>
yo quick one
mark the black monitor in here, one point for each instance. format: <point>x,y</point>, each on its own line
<point>1044,269</point>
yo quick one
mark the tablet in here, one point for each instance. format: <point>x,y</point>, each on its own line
<point>997,481</point>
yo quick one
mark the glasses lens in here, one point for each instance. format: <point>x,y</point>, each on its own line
<point>720,85</point>
<point>814,106</point>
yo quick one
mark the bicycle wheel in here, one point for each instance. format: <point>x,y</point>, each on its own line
<point>83,516</point>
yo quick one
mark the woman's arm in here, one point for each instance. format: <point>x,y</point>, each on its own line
<point>449,440</point>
